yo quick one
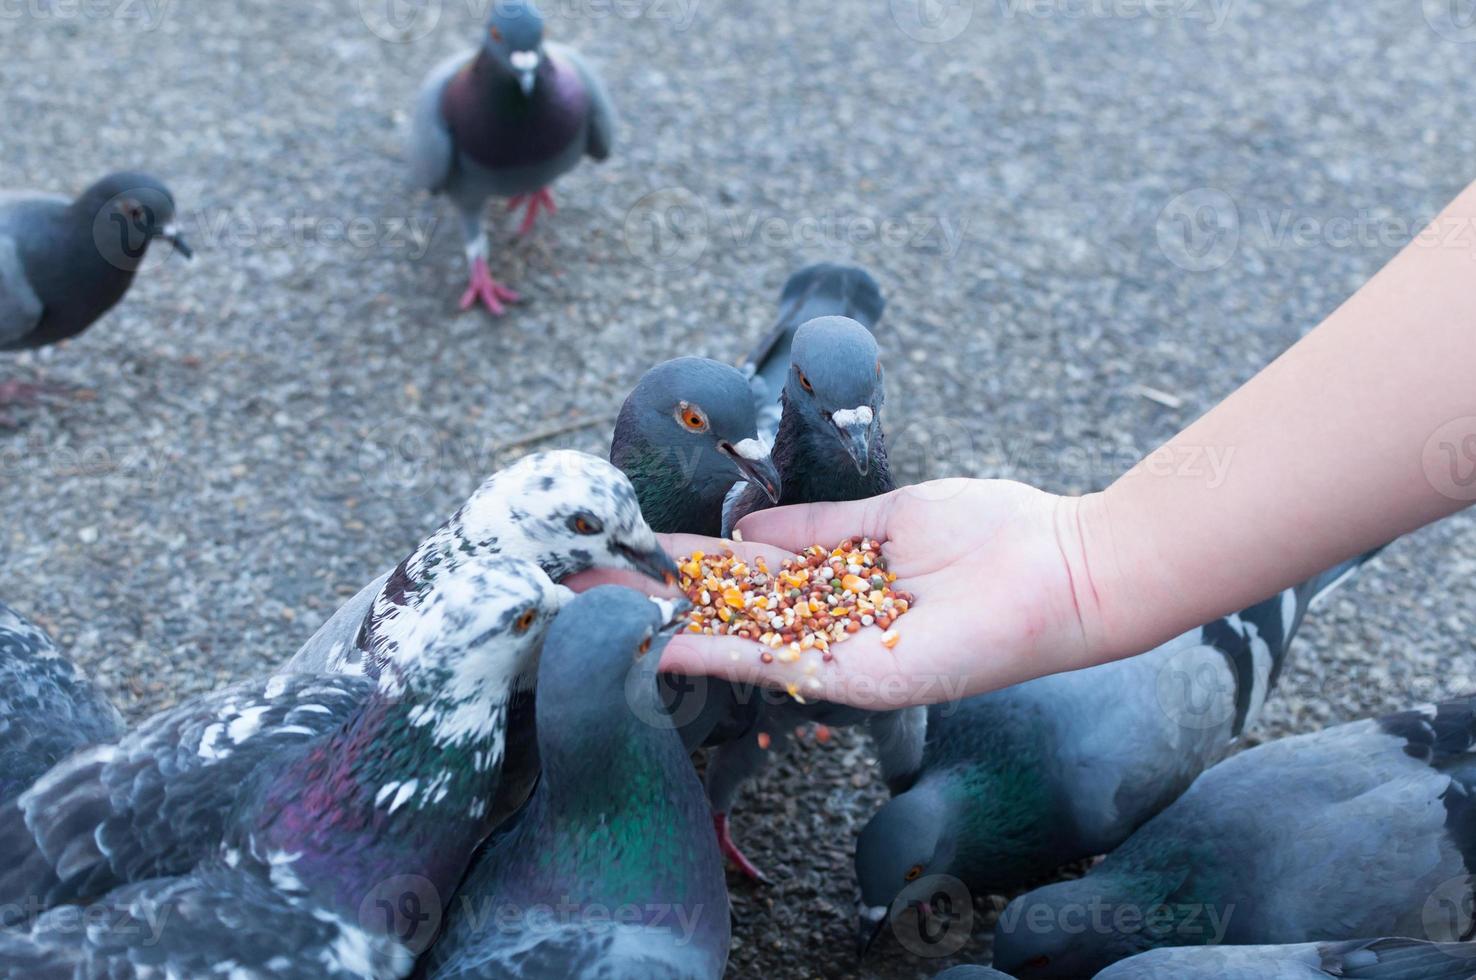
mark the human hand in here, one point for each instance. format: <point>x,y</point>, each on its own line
<point>989,562</point>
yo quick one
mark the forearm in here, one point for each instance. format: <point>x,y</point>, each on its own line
<point>1343,443</point>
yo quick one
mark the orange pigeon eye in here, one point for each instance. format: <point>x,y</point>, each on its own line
<point>644,648</point>
<point>525,621</point>
<point>496,33</point>
<point>804,381</point>
<point>691,417</point>
<point>914,872</point>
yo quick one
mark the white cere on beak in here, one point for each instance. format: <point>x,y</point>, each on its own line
<point>852,416</point>
<point>524,61</point>
<point>668,607</point>
<point>171,230</point>
<point>751,449</point>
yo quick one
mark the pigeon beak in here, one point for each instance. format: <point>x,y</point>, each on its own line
<point>754,462</point>
<point>673,614</point>
<point>856,437</point>
<point>525,81</point>
<point>871,921</point>
<point>171,234</point>
<point>654,563</point>
<point>526,63</point>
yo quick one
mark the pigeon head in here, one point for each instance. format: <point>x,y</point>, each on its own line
<point>469,640</point>
<point>689,429</point>
<point>126,212</point>
<point>835,386</point>
<point>908,841</point>
<point>514,40</point>
<point>1077,929</point>
<point>604,647</point>
<point>565,510</point>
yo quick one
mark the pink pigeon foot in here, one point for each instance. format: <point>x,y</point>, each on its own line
<point>541,199</point>
<point>732,853</point>
<point>481,287</point>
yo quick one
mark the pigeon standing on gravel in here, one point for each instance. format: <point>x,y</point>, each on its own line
<point>159,801</point>
<point>612,870</point>
<point>829,446</point>
<point>63,264</point>
<point>341,848</point>
<point>1360,959</point>
<point>1363,829</point>
<point>564,510</point>
<point>48,707</point>
<point>506,120</point>
<point>1018,782</point>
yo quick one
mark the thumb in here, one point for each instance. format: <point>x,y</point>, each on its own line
<point>797,527</point>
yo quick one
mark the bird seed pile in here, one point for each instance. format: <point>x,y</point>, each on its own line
<point>817,598</point>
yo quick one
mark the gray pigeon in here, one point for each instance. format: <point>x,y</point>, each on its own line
<point>685,435</point>
<point>506,120</point>
<point>611,871</point>
<point>1363,829</point>
<point>63,264</point>
<point>161,800</point>
<point>1361,959</point>
<point>1018,782</point>
<point>971,973</point>
<point>48,706</point>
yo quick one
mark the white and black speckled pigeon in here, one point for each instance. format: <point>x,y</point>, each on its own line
<point>1359,959</point>
<point>506,120</point>
<point>611,871</point>
<point>1358,830</point>
<point>1018,782</point>
<point>63,263</point>
<point>829,446</point>
<point>48,707</point>
<point>564,510</point>
<point>162,799</point>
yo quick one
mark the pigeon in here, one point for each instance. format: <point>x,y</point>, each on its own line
<point>161,799</point>
<point>1016,783</point>
<point>611,870</point>
<point>1362,829</point>
<point>506,120</point>
<point>971,973</point>
<point>48,707</point>
<point>565,510</point>
<point>829,446</point>
<point>1359,959</point>
<point>685,435</point>
<point>63,264</point>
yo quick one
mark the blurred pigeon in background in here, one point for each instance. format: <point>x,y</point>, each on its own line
<point>618,823</point>
<point>160,800</point>
<point>971,973</point>
<point>1018,782</point>
<point>1362,959</point>
<point>48,707</point>
<point>506,120</point>
<point>1358,830</point>
<point>63,264</point>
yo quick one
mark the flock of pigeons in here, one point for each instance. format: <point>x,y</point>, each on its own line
<point>469,771</point>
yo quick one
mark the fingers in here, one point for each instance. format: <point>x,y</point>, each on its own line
<point>584,581</point>
<point>796,528</point>
<point>680,545</point>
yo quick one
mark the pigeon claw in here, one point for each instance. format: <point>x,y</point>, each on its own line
<point>539,200</point>
<point>732,853</point>
<point>482,288</point>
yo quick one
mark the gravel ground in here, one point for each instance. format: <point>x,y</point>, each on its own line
<point>1094,218</point>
